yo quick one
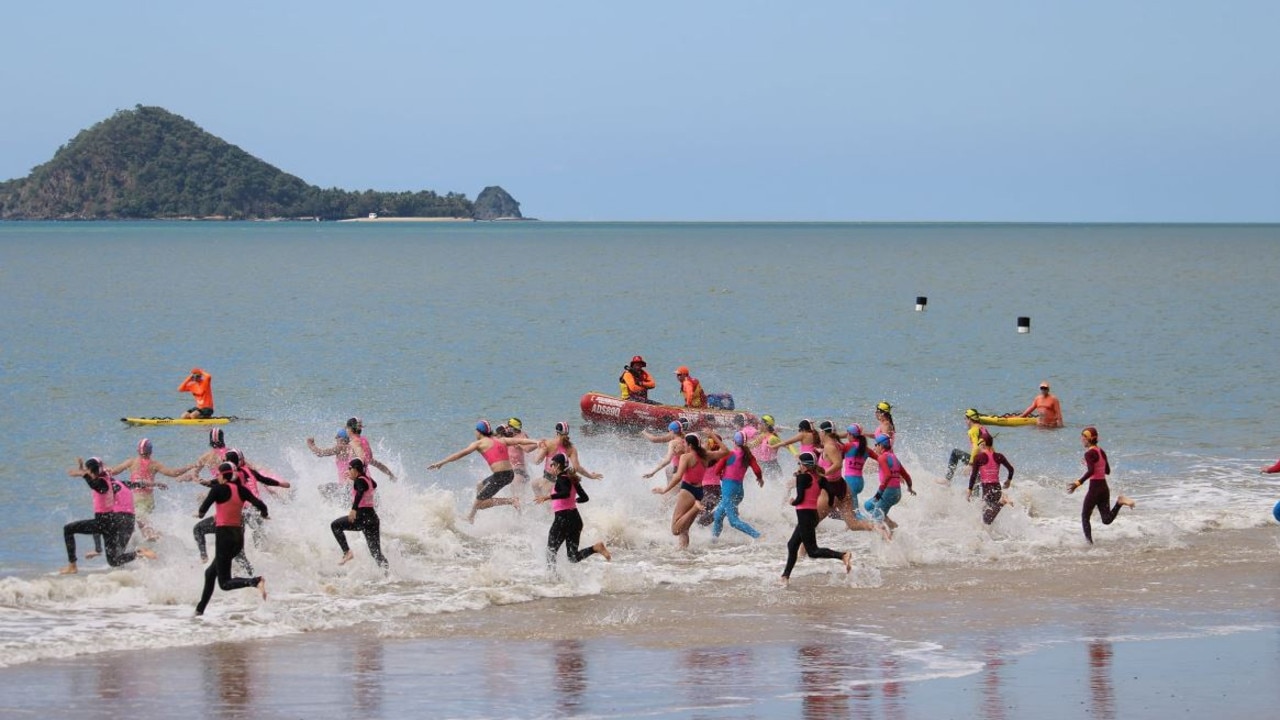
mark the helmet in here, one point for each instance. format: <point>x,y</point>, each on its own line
<point>767,420</point>
<point>1090,433</point>
<point>342,434</point>
<point>144,447</point>
<point>356,464</point>
<point>674,426</point>
<point>739,438</point>
<point>882,439</point>
<point>215,438</point>
<point>514,423</point>
<point>855,429</point>
<point>233,456</point>
<point>884,406</point>
<point>972,414</point>
<point>807,459</point>
<point>682,370</point>
<point>355,423</point>
<point>93,465</point>
<point>562,428</point>
<point>484,428</point>
<point>637,360</point>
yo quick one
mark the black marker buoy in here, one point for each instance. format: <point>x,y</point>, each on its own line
<point>1024,324</point>
<point>921,301</point>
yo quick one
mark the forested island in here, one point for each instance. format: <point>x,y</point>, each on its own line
<point>148,163</point>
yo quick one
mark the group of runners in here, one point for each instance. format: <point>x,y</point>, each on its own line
<point>706,473</point>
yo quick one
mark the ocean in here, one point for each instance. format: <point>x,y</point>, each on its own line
<point>1162,336</point>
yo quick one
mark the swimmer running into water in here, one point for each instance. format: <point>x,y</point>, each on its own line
<point>363,515</point>
<point>688,477</point>
<point>496,452</point>
<point>566,529</point>
<point>807,479</point>
<point>230,497</point>
<point>1096,470</point>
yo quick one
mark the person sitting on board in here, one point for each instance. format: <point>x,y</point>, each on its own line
<point>200,384</point>
<point>636,382</point>
<point>1050,410</point>
<point>694,395</point>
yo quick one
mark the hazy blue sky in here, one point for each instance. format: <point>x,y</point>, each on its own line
<point>950,110</point>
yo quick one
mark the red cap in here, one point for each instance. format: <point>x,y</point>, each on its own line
<point>682,370</point>
<point>637,360</point>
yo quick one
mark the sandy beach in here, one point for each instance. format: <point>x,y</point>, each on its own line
<point>1109,633</point>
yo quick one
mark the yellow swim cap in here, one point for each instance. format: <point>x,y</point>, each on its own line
<point>767,420</point>
<point>883,406</point>
<point>971,413</point>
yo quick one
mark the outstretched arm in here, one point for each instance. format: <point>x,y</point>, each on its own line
<point>456,456</point>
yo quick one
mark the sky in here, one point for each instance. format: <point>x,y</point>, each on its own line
<point>1017,111</point>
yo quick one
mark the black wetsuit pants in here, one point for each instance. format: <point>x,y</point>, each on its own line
<point>566,529</point>
<point>228,543</point>
<point>991,496</point>
<point>806,533</point>
<point>1099,496</point>
<point>367,522</point>
<point>208,526</point>
<point>95,527</point>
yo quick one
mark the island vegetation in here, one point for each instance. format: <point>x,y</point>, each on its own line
<point>148,163</point>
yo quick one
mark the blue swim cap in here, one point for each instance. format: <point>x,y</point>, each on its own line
<point>674,426</point>
<point>882,439</point>
<point>484,428</point>
<point>342,434</point>
<point>739,439</point>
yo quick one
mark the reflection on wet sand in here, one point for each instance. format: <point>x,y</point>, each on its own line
<point>571,677</point>
<point>1102,693</point>
<point>823,671</point>
<point>992,699</point>
<point>228,682</point>
<point>367,677</point>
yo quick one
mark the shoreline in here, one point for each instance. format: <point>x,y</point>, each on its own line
<point>1115,631</point>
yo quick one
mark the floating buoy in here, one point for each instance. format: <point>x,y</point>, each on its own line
<point>1024,324</point>
<point>1275,511</point>
<point>921,301</point>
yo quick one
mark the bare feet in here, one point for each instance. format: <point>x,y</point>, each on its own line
<point>348,557</point>
<point>203,558</point>
<point>1127,502</point>
<point>146,553</point>
<point>603,551</point>
<point>91,554</point>
<point>848,562</point>
<point>262,587</point>
<point>69,570</point>
<point>885,532</point>
<point>785,581</point>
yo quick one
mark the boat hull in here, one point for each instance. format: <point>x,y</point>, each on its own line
<point>610,411</point>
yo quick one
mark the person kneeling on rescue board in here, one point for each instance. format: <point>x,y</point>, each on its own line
<point>636,382</point>
<point>200,384</point>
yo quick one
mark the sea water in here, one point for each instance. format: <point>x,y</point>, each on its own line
<point>1164,337</point>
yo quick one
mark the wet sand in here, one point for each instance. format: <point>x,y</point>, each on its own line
<point>1109,632</point>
